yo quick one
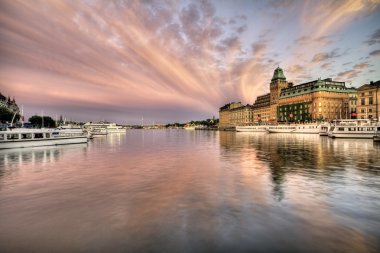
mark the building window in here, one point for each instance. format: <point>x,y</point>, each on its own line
<point>362,101</point>
<point>362,111</point>
<point>370,100</point>
<point>370,93</point>
<point>362,94</point>
<point>369,110</point>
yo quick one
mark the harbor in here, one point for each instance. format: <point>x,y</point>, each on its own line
<point>176,190</point>
<point>190,126</point>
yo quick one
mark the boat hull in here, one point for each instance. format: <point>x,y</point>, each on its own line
<point>251,129</point>
<point>119,131</point>
<point>279,130</point>
<point>42,142</point>
<point>352,135</point>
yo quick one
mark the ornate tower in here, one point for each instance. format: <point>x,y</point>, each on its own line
<point>278,82</point>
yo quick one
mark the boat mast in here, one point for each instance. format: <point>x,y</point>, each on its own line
<point>22,115</point>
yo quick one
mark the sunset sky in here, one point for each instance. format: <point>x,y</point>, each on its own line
<point>174,61</point>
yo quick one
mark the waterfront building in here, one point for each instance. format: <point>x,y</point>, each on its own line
<point>311,101</point>
<point>316,100</point>
<point>261,109</point>
<point>368,106</point>
<point>233,114</point>
<point>277,84</point>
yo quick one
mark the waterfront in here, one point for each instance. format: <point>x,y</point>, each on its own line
<point>192,191</point>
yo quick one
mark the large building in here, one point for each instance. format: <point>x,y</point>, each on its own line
<point>316,100</point>
<point>233,114</point>
<point>368,106</point>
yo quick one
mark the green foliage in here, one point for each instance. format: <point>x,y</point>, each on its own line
<point>207,122</point>
<point>6,115</point>
<point>36,121</point>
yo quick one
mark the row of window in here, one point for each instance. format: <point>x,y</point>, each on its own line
<point>370,101</point>
<point>24,136</point>
<point>315,87</point>
<point>363,93</point>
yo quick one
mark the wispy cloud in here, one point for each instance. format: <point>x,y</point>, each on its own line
<point>375,53</point>
<point>374,38</point>
<point>319,57</point>
<point>131,56</point>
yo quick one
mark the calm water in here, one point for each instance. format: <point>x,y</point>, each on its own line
<point>192,191</point>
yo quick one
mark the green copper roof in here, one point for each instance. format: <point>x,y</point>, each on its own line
<point>278,75</point>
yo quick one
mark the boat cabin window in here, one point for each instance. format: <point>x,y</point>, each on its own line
<point>2,136</point>
<point>38,135</point>
<point>26,136</point>
<point>12,136</point>
<point>378,129</point>
<point>340,128</point>
<point>47,135</point>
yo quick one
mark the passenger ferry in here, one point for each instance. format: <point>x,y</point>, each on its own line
<point>297,129</point>
<point>281,129</point>
<point>376,137</point>
<point>22,138</point>
<point>357,129</point>
<point>324,129</point>
<point>103,128</point>
<point>112,128</point>
<point>253,128</point>
<point>307,129</point>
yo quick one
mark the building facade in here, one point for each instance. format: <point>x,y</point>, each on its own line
<point>261,109</point>
<point>323,100</point>
<point>312,101</point>
<point>368,104</point>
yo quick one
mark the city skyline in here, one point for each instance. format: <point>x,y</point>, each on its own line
<point>174,61</point>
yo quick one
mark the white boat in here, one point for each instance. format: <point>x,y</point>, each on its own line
<point>22,138</point>
<point>190,127</point>
<point>324,129</point>
<point>296,129</point>
<point>376,137</point>
<point>307,129</point>
<point>112,128</point>
<point>354,131</point>
<point>103,128</point>
<point>281,129</point>
<point>253,128</point>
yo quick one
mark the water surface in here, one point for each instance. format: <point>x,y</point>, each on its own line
<point>192,191</point>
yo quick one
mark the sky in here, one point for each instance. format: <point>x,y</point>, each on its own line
<point>176,61</point>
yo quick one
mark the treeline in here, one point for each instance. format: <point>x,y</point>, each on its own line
<point>207,122</point>
<point>45,121</point>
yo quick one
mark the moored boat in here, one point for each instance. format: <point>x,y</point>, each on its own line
<point>281,129</point>
<point>307,129</point>
<point>22,138</point>
<point>252,128</point>
<point>324,129</point>
<point>112,128</point>
<point>355,129</point>
<point>355,132</point>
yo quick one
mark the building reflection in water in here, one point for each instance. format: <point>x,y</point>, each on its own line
<point>309,156</point>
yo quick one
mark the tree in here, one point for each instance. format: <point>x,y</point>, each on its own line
<point>36,121</point>
<point>7,115</point>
